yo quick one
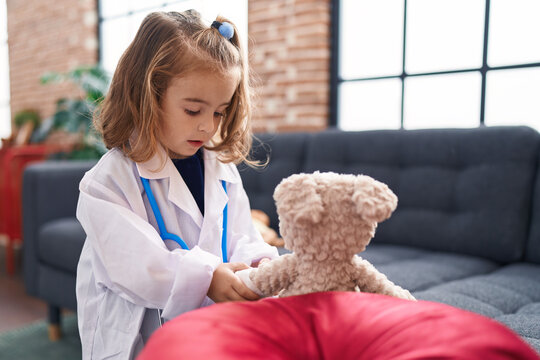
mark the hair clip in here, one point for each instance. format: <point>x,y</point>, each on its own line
<point>225,29</point>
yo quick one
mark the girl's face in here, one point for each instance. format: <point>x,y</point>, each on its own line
<point>193,106</point>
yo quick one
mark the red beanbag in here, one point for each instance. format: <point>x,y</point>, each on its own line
<point>335,325</point>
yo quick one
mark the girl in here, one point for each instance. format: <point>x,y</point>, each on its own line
<point>167,219</point>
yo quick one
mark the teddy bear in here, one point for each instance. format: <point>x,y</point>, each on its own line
<point>326,219</point>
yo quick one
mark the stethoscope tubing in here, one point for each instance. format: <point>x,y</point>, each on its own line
<point>165,235</point>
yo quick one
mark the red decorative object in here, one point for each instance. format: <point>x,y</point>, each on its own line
<point>335,325</point>
<point>13,161</point>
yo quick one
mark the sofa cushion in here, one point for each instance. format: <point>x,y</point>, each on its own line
<point>465,191</point>
<point>417,269</point>
<point>60,243</point>
<point>510,294</point>
<point>525,322</point>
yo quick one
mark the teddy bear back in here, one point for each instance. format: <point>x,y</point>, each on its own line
<point>325,276</point>
<point>327,216</point>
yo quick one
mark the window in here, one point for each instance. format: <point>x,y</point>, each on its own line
<point>5,113</point>
<point>435,63</point>
<point>119,20</point>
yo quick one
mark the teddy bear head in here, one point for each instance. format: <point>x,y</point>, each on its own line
<point>329,215</point>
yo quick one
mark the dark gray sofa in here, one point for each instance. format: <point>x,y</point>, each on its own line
<point>466,231</point>
<point>52,236</point>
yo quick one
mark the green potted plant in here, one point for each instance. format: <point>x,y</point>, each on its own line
<point>27,115</point>
<point>26,121</point>
<point>74,115</point>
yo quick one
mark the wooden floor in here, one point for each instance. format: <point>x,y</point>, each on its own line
<point>16,308</point>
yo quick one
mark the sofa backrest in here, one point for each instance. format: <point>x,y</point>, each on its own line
<point>460,190</point>
<point>286,155</point>
<point>532,253</point>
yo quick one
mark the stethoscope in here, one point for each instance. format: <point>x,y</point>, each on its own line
<point>165,235</point>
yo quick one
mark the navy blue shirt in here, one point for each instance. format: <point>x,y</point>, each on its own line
<point>192,171</point>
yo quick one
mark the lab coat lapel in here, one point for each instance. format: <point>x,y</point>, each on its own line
<point>181,196</point>
<point>178,193</point>
<point>215,197</point>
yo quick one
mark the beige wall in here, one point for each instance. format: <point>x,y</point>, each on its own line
<point>289,52</point>
<point>47,36</point>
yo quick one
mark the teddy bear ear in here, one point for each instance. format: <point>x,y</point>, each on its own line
<point>297,198</point>
<point>374,200</point>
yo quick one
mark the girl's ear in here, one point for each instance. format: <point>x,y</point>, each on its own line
<point>374,200</point>
<point>297,199</point>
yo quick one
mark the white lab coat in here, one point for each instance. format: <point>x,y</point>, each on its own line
<point>126,267</point>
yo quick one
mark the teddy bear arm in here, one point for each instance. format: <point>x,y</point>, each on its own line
<point>275,275</point>
<point>369,279</point>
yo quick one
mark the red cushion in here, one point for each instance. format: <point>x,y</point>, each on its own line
<point>334,325</point>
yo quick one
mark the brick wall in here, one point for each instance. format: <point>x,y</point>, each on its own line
<point>48,36</point>
<point>290,54</point>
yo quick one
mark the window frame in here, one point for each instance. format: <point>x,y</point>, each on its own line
<point>336,80</point>
<point>5,103</point>
<point>241,23</point>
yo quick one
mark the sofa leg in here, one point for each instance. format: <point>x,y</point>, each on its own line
<point>55,331</point>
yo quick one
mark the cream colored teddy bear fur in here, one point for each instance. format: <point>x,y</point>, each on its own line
<point>325,220</point>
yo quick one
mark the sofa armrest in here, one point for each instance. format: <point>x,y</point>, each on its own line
<point>50,191</point>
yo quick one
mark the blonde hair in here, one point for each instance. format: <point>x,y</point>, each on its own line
<point>169,45</point>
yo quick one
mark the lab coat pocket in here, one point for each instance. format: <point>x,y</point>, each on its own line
<point>117,328</point>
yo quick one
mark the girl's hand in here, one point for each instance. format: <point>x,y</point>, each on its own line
<point>260,262</point>
<point>226,286</point>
